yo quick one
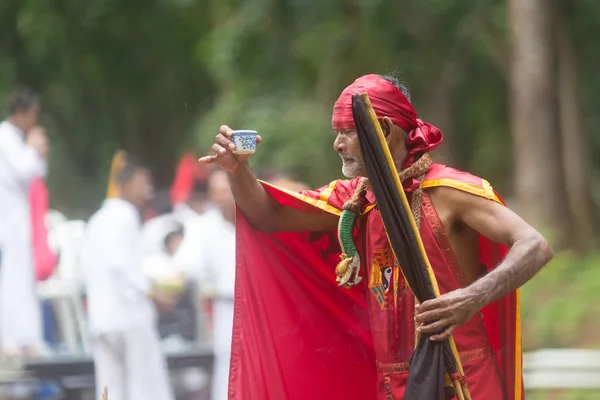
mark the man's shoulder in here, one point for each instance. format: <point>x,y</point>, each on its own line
<point>10,133</point>
<point>442,176</point>
<point>440,171</point>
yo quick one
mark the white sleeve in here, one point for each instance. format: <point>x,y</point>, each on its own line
<point>23,160</point>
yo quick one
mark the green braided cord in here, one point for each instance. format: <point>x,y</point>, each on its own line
<point>345,229</point>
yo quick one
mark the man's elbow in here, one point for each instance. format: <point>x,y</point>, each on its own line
<point>543,249</point>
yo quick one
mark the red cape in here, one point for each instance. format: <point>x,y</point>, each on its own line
<point>298,336</point>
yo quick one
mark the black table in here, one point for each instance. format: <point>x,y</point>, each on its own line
<point>75,373</point>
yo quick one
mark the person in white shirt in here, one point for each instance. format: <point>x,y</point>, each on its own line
<point>122,318</point>
<point>20,163</point>
<point>214,270</point>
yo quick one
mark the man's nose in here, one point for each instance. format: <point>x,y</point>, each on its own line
<point>338,144</point>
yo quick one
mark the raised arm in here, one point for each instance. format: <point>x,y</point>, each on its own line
<point>262,211</point>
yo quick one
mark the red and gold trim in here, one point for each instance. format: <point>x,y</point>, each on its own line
<point>321,202</point>
<point>485,190</point>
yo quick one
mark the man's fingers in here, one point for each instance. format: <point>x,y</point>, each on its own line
<point>258,139</point>
<point>225,131</point>
<point>434,327</point>
<point>207,159</point>
<point>224,142</point>
<point>431,315</point>
<point>218,149</point>
<point>444,335</point>
<point>430,305</point>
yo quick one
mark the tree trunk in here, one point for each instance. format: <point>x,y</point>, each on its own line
<point>575,142</point>
<point>539,182</point>
<point>439,113</point>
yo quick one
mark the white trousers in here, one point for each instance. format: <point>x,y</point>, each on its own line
<point>223,327</point>
<point>132,365</point>
<point>20,312</point>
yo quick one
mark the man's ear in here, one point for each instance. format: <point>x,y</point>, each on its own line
<point>387,126</point>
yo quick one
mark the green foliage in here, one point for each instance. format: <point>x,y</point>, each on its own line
<point>560,306</point>
<point>157,77</point>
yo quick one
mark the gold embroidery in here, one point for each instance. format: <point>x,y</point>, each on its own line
<point>383,277</point>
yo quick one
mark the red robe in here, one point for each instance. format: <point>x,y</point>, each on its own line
<point>299,336</point>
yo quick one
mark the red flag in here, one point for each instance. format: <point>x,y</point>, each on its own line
<point>188,172</point>
<point>296,334</point>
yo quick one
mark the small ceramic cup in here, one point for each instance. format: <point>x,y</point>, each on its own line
<point>245,141</point>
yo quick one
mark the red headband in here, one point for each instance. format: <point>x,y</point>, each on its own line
<point>388,101</point>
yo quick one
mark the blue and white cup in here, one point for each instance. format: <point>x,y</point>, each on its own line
<point>245,141</point>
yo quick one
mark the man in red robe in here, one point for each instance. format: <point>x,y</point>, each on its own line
<point>480,252</point>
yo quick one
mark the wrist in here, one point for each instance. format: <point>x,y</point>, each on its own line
<point>241,171</point>
<point>476,297</point>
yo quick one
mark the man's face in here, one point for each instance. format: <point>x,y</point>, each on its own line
<point>30,117</point>
<point>139,189</point>
<point>174,243</point>
<point>347,146</point>
<point>219,192</point>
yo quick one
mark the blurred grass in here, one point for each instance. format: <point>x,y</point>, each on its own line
<point>560,308</point>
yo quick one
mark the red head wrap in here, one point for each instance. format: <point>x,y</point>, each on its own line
<point>388,101</point>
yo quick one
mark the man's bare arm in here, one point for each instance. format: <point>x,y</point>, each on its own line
<point>267,214</point>
<point>529,252</point>
<point>262,211</point>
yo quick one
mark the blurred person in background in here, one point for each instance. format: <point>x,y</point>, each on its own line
<point>159,225</point>
<point>159,267</point>
<point>122,318</point>
<point>179,326</point>
<point>213,268</point>
<point>21,162</point>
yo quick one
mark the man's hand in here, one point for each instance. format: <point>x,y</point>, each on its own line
<point>223,149</point>
<point>37,139</point>
<point>444,314</point>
